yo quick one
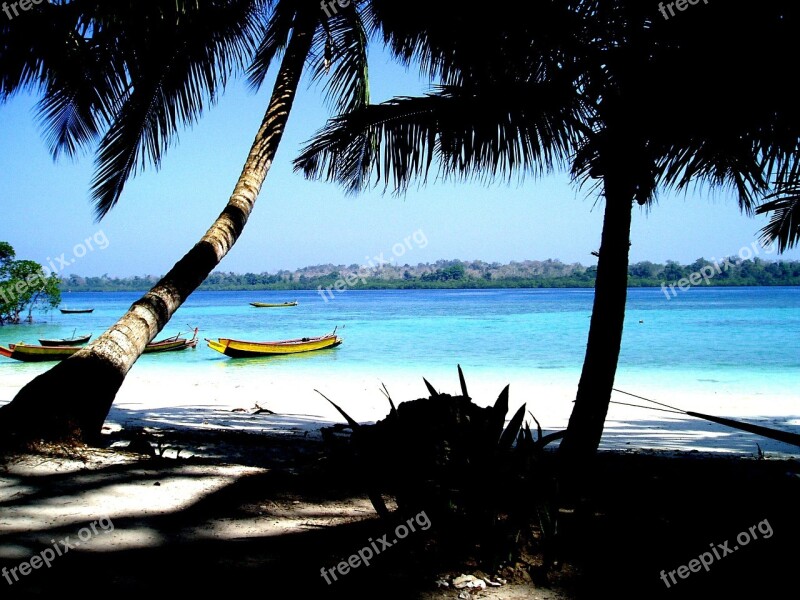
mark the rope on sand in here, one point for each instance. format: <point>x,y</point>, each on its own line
<point>773,434</point>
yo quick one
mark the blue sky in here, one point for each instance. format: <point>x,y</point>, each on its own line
<point>46,210</point>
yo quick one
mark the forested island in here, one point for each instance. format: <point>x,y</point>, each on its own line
<point>470,274</point>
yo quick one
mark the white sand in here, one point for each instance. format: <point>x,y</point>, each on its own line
<point>152,397</point>
<point>136,494</point>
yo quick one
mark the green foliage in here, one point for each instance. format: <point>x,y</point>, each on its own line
<point>24,285</point>
<point>6,252</point>
<point>453,273</point>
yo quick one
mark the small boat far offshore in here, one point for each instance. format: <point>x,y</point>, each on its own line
<point>75,311</point>
<point>244,349</point>
<point>272,305</point>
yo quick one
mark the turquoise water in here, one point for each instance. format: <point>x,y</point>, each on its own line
<point>705,335</point>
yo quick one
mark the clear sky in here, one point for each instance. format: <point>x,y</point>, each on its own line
<point>45,210</point>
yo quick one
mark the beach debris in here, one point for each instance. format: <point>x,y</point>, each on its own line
<point>256,410</point>
<point>442,583</point>
<point>469,582</point>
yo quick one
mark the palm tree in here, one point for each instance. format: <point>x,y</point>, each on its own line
<point>650,138</point>
<point>141,72</point>
<point>603,84</point>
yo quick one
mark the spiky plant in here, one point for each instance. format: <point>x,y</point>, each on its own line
<point>478,479</point>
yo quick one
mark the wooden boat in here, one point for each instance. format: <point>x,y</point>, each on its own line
<point>72,341</point>
<point>269,305</point>
<point>75,311</point>
<point>30,353</point>
<point>172,344</point>
<point>243,349</point>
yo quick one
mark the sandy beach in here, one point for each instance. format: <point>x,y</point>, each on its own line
<point>223,399</point>
<point>207,488</point>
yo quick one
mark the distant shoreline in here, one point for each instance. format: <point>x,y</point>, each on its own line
<point>457,274</point>
<point>378,287</point>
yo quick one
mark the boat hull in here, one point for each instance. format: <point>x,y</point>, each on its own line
<point>28,353</point>
<point>67,342</point>
<point>268,305</point>
<point>244,349</point>
<point>76,311</point>
<point>171,346</point>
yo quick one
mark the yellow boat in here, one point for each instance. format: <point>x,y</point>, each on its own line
<point>243,349</point>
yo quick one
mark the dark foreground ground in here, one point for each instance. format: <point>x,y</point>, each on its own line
<point>645,514</point>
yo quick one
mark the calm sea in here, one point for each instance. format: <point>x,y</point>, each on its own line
<point>703,337</point>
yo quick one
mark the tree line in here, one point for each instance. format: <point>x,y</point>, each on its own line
<point>454,274</point>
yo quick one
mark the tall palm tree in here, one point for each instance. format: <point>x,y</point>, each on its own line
<point>602,84</point>
<point>139,72</point>
<point>648,137</point>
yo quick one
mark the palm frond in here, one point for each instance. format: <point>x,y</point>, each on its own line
<point>784,225</point>
<point>79,101</point>
<point>472,133</point>
<point>340,53</point>
<point>57,52</point>
<point>187,64</point>
<point>273,41</point>
<point>132,71</point>
<point>721,163</point>
<point>28,45</point>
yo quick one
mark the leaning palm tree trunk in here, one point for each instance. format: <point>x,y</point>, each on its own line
<point>72,400</point>
<point>605,330</point>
